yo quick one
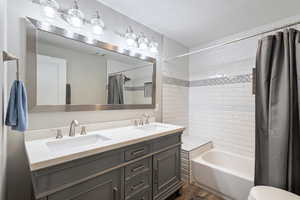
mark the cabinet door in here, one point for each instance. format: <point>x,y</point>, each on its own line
<point>104,187</point>
<point>166,170</point>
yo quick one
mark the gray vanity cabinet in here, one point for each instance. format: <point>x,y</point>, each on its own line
<point>148,170</point>
<point>166,171</point>
<point>107,187</point>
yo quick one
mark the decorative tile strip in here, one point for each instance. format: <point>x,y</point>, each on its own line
<point>134,88</point>
<point>175,81</point>
<point>245,78</point>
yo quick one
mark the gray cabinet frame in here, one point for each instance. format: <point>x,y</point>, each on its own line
<point>166,170</point>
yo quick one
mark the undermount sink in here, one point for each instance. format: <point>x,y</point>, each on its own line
<point>71,143</point>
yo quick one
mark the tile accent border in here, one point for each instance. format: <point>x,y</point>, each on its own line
<point>175,81</point>
<point>244,78</point>
<point>134,88</point>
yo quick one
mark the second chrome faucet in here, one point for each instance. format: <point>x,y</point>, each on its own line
<point>72,131</point>
<point>73,126</point>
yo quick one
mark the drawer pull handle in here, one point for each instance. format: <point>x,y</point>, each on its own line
<point>140,184</point>
<point>139,151</point>
<point>115,191</point>
<point>138,168</point>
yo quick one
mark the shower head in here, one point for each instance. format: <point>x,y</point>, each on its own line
<point>127,79</point>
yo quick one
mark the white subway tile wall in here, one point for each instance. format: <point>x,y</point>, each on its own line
<point>175,105</point>
<point>225,115</point>
<point>175,91</point>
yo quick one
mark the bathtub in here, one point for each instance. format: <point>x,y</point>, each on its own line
<point>224,173</point>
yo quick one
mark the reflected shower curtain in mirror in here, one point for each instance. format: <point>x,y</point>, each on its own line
<point>277,148</point>
<point>115,89</point>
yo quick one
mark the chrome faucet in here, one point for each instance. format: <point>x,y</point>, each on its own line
<point>74,123</point>
<point>144,120</point>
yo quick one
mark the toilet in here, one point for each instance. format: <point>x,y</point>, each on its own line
<point>271,193</point>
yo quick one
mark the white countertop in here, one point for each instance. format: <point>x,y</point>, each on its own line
<point>41,155</point>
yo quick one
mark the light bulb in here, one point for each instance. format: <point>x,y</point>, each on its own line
<point>131,42</point>
<point>75,16</point>
<point>143,42</point>
<point>50,8</point>
<point>49,12</point>
<point>75,21</point>
<point>153,47</point>
<point>143,46</point>
<point>98,30</point>
<point>97,24</point>
<point>131,37</point>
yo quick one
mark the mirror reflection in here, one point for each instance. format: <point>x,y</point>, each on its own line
<point>71,72</point>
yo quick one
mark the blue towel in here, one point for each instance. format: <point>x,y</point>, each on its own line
<point>17,110</point>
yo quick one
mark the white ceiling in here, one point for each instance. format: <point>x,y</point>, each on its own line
<point>192,22</point>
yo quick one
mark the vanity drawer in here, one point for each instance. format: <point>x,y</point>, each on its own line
<point>58,176</point>
<point>146,195</point>
<point>138,184</point>
<point>137,151</point>
<point>138,168</point>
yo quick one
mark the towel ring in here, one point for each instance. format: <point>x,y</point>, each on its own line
<point>8,57</point>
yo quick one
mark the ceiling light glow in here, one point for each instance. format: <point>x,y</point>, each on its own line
<point>153,47</point>
<point>143,42</point>
<point>131,38</point>
<point>75,16</point>
<point>97,24</point>
<point>50,8</point>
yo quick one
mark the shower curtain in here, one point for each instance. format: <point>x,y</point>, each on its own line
<point>277,151</point>
<point>116,89</point>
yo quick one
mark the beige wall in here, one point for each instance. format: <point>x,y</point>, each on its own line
<point>85,72</point>
<point>18,173</point>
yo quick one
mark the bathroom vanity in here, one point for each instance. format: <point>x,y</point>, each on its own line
<point>130,163</point>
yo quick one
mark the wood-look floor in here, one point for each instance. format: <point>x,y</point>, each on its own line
<point>191,192</point>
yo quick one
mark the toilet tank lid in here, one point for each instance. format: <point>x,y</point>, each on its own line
<point>266,193</point>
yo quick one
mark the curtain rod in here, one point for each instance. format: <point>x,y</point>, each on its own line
<point>131,69</point>
<point>231,41</point>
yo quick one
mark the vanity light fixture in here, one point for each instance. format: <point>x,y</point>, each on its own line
<point>143,42</point>
<point>75,16</point>
<point>97,24</point>
<point>131,37</point>
<point>153,47</point>
<point>50,7</point>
